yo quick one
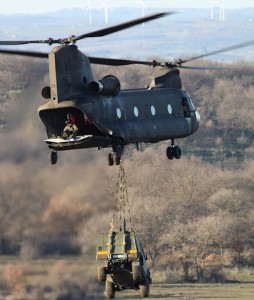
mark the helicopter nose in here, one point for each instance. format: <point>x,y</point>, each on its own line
<point>198,117</point>
<point>196,122</point>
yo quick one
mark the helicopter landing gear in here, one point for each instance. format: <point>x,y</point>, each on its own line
<point>115,156</point>
<point>174,151</point>
<point>53,157</point>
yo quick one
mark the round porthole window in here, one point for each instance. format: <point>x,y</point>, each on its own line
<point>169,109</point>
<point>119,113</point>
<point>136,111</point>
<point>153,110</point>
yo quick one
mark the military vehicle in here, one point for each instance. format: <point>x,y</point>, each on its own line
<point>122,263</point>
<point>119,253</point>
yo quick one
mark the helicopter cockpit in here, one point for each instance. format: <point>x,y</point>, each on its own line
<point>188,106</point>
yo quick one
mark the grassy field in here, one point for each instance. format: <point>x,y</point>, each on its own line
<point>194,291</point>
<point>49,277</point>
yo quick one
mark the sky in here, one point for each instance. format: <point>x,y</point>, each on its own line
<point>35,6</point>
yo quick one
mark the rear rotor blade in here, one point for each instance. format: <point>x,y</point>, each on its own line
<point>200,68</point>
<point>122,26</point>
<point>239,46</point>
<point>154,63</point>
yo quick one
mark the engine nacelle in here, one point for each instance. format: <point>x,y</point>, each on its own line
<point>107,86</point>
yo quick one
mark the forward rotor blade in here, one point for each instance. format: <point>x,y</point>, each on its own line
<point>117,62</point>
<point>98,33</point>
<point>24,53</point>
<point>122,26</point>
<point>50,41</point>
<point>239,46</point>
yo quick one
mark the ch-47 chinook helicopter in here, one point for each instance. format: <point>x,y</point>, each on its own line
<point>105,115</point>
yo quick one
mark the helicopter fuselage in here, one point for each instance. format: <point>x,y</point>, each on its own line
<point>107,116</point>
<point>132,116</point>
<point>104,114</point>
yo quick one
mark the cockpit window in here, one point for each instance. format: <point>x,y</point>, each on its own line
<point>191,105</point>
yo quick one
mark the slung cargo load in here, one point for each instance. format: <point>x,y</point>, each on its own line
<point>122,263</point>
<point>120,256</point>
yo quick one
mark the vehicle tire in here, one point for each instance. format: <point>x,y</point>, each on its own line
<point>170,153</point>
<point>118,154</point>
<point>110,159</point>
<point>144,289</point>
<point>109,290</point>
<point>102,274</point>
<point>118,160</point>
<point>53,157</point>
<point>177,152</point>
<point>119,150</point>
<point>136,273</point>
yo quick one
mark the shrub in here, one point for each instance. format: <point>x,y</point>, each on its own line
<point>15,278</point>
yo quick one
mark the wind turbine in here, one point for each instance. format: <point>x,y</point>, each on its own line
<point>89,11</point>
<point>143,4</point>
<point>106,6</point>
<point>220,4</point>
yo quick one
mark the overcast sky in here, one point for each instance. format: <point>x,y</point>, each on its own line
<point>36,6</point>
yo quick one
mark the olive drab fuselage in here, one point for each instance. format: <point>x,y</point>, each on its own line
<point>161,111</point>
<point>105,115</point>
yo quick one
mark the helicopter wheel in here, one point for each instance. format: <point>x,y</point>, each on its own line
<point>53,157</point>
<point>177,152</point>
<point>174,152</point>
<point>170,153</point>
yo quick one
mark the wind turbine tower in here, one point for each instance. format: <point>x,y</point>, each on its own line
<point>220,4</point>
<point>143,4</point>
<point>106,6</point>
<point>89,11</point>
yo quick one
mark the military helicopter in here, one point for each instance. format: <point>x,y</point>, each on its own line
<point>105,115</point>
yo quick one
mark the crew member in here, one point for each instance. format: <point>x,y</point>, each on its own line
<point>71,129</point>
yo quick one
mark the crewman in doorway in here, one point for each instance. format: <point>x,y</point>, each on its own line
<point>71,129</point>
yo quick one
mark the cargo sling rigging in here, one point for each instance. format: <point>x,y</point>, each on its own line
<point>121,203</point>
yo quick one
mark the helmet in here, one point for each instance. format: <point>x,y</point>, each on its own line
<point>71,118</point>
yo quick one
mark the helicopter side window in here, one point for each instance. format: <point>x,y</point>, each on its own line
<point>169,109</point>
<point>135,111</point>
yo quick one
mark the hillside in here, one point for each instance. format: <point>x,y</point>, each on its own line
<point>183,34</point>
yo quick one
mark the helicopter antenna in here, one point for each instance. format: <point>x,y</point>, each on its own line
<point>221,5</point>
